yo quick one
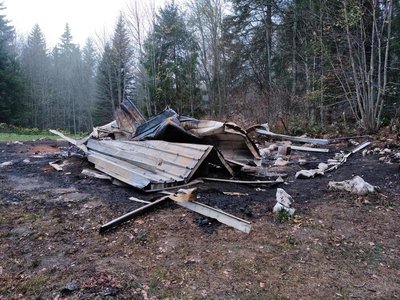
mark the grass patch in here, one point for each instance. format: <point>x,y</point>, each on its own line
<point>11,137</point>
<point>33,284</point>
<point>283,216</point>
<point>9,133</point>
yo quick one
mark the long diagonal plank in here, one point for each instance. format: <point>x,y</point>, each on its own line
<point>217,214</point>
<point>130,215</point>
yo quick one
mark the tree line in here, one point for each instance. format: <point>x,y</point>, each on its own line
<point>297,63</point>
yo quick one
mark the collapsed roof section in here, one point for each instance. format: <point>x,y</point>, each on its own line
<point>230,139</point>
<point>152,165</point>
<point>167,150</point>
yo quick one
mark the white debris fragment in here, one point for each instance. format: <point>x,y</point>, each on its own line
<point>18,143</point>
<point>305,174</point>
<point>338,156</point>
<point>264,151</point>
<point>283,201</point>
<point>280,162</point>
<point>284,150</point>
<point>323,167</point>
<point>365,153</point>
<point>333,162</point>
<point>387,150</point>
<point>302,161</point>
<point>357,185</point>
<point>272,147</point>
<point>26,161</point>
<point>6,164</point>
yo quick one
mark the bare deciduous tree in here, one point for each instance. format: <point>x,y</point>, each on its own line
<point>367,32</point>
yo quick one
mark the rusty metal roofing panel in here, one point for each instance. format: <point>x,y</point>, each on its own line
<point>149,164</point>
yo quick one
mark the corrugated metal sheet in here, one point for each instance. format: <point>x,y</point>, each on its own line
<point>151,164</point>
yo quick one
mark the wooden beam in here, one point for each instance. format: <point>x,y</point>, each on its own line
<point>77,143</point>
<point>139,200</point>
<point>243,181</point>
<point>345,157</point>
<point>56,166</point>
<point>309,149</point>
<point>130,215</point>
<point>217,214</point>
<point>293,138</point>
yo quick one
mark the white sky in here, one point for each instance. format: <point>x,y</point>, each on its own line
<point>85,17</point>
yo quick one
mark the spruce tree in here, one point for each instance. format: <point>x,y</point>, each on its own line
<point>11,86</point>
<point>115,80</point>
<point>171,63</point>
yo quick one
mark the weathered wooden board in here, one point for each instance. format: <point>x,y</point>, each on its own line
<point>293,138</point>
<point>217,214</point>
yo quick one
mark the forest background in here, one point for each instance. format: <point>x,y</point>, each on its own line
<point>296,64</point>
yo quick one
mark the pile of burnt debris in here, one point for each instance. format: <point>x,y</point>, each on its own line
<point>174,152</point>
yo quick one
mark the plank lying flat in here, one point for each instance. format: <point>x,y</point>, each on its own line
<point>243,181</point>
<point>309,149</point>
<point>293,138</point>
<point>217,214</point>
<point>130,215</point>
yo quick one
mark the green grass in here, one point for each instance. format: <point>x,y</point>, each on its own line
<point>11,137</point>
<point>31,135</point>
<point>10,133</point>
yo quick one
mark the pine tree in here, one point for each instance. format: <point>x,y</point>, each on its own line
<point>11,87</point>
<point>35,67</point>
<point>88,84</point>
<point>115,80</point>
<point>106,102</point>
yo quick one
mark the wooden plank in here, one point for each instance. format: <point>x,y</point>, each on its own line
<point>360,147</point>
<point>309,149</point>
<point>344,159</point>
<point>56,166</point>
<point>77,143</point>
<point>193,182</point>
<point>94,174</point>
<point>130,215</point>
<point>138,200</point>
<point>262,172</point>
<point>243,181</point>
<point>293,138</point>
<point>217,214</point>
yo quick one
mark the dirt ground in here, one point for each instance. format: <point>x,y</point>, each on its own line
<point>338,245</point>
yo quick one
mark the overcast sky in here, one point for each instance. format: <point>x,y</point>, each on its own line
<point>85,17</point>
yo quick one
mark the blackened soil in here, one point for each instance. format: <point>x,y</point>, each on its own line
<point>338,246</point>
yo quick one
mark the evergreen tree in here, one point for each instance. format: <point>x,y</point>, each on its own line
<point>122,56</point>
<point>171,63</point>
<point>115,80</point>
<point>35,65</point>
<point>249,33</point>
<point>67,61</point>
<point>88,84</point>
<point>106,102</point>
<point>11,86</point>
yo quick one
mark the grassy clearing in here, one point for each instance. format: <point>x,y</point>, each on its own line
<point>12,137</point>
<point>11,133</point>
